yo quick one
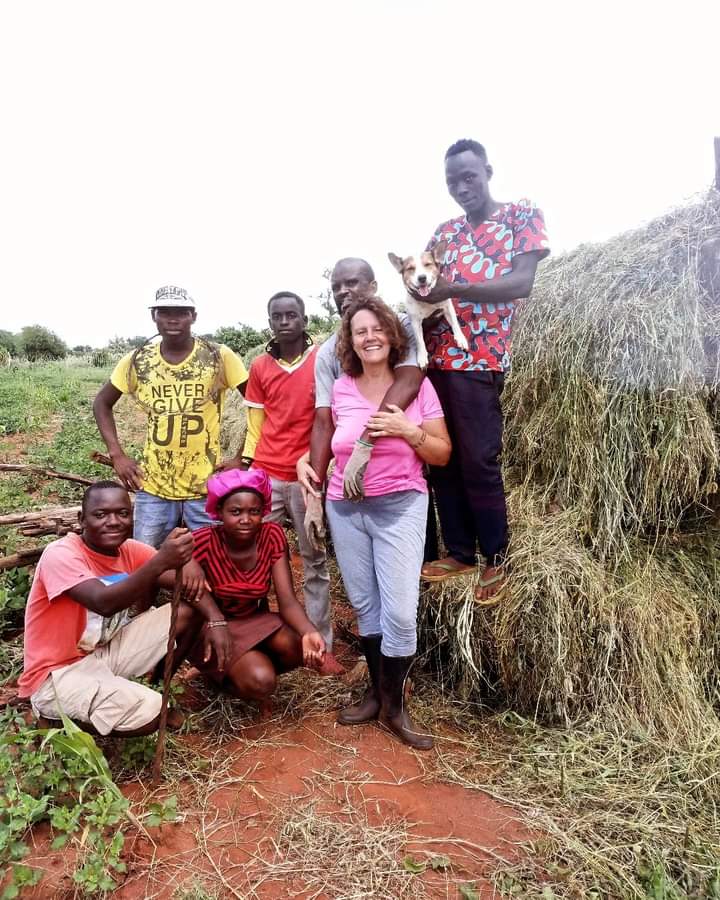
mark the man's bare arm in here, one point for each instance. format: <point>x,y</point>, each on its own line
<point>401,392</point>
<point>107,599</point>
<point>516,285</point>
<point>126,468</point>
<point>320,441</point>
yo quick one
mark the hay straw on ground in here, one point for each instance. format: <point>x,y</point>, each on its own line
<point>573,637</point>
<point>615,813</point>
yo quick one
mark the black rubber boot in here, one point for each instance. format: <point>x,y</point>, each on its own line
<point>368,708</point>
<point>393,675</point>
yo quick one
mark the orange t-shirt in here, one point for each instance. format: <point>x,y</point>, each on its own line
<point>286,394</point>
<point>54,622</point>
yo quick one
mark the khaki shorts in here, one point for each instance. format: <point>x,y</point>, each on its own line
<point>96,689</point>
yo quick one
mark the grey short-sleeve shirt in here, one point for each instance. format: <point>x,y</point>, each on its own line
<point>327,365</point>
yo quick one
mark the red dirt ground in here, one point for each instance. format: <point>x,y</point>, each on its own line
<point>227,834</point>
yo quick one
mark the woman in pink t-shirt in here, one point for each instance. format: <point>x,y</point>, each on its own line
<point>379,540</point>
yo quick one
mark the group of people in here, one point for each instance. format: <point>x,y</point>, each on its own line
<point>359,399</point>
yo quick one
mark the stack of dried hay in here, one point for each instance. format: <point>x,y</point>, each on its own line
<point>612,452</point>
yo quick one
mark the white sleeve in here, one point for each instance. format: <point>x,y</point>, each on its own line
<point>411,358</point>
<point>326,373</point>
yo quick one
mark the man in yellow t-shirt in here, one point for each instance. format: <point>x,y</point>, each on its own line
<point>180,383</point>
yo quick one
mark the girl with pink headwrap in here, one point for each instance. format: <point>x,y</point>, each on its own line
<point>241,557</point>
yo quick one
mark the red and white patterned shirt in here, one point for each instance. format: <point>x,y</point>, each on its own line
<point>474,255</point>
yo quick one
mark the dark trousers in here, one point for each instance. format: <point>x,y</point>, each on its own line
<point>469,490</point>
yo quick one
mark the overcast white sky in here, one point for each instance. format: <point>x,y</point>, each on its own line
<point>238,149</point>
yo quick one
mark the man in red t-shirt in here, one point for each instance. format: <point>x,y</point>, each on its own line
<point>84,638</point>
<point>280,398</point>
<point>490,261</point>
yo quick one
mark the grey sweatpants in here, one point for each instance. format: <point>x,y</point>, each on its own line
<point>379,548</point>
<point>287,499</point>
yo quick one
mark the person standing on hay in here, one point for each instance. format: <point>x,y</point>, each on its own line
<point>492,254</point>
<point>89,628</point>
<point>180,383</point>
<point>379,540</point>
<point>280,398</point>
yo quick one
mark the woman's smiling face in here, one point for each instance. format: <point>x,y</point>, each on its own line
<point>369,338</point>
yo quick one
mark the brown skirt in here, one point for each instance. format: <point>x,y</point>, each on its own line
<point>245,634</point>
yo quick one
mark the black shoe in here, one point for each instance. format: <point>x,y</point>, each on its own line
<point>368,708</point>
<point>393,675</point>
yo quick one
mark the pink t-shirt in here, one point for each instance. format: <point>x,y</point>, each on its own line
<point>394,465</point>
<point>54,622</point>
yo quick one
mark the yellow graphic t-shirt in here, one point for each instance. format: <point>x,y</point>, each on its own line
<point>184,404</point>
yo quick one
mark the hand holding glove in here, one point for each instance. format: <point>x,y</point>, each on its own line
<point>355,470</point>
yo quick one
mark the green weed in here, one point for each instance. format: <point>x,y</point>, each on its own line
<point>14,590</point>
<point>59,775</point>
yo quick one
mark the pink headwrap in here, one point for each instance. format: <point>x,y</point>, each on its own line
<point>224,483</point>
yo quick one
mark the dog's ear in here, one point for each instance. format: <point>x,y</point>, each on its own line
<point>438,252</point>
<point>397,261</point>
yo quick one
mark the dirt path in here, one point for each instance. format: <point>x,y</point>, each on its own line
<point>301,807</point>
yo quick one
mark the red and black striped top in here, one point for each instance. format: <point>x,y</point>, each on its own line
<point>237,592</point>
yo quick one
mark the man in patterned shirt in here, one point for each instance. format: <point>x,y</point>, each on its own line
<point>490,261</point>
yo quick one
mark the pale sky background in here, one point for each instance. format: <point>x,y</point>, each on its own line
<point>239,149</point>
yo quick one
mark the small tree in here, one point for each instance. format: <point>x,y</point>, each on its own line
<point>241,339</point>
<point>8,341</point>
<point>36,342</point>
<point>328,321</point>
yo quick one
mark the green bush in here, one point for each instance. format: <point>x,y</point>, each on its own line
<point>36,342</point>
<point>100,358</point>
<point>8,342</point>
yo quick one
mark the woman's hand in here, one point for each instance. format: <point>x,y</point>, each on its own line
<point>313,648</point>
<point>391,424</point>
<point>218,640</point>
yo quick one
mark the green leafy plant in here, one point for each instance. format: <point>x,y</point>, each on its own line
<point>60,775</point>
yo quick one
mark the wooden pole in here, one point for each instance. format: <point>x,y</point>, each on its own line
<point>167,678</point>
<point>48,473</point>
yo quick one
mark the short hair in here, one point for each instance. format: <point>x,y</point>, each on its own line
<point>364,265</point>
<point>349,360</point>
<point>98,486</point>
<point>299,300</point>
<point>463,146</point>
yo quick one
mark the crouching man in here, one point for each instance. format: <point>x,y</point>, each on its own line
<point>89,625</point>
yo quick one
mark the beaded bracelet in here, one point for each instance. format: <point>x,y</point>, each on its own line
<point>218,624</point>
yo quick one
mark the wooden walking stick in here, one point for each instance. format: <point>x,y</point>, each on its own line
<point>167,678</point>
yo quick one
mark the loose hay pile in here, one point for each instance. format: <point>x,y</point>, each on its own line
<point>612,453</point>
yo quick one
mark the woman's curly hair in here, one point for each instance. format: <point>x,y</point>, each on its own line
<point>349,360</point>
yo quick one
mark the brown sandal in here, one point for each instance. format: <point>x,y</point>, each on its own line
<point>448,569</point>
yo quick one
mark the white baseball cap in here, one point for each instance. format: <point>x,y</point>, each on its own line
<point>172,296</point>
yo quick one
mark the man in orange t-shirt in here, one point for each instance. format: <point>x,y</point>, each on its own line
<point>84,640</point>
<point>280,397</point>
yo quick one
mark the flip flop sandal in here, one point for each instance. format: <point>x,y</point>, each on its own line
<point>452,571</point>
<point>487,582</point>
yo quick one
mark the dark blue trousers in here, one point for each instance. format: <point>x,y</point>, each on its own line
<point>469,491</point>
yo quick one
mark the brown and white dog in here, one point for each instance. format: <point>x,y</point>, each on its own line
<point>419,274</point>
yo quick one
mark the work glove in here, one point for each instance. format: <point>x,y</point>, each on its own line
<point>314,522</point>
<point>355,470</point>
